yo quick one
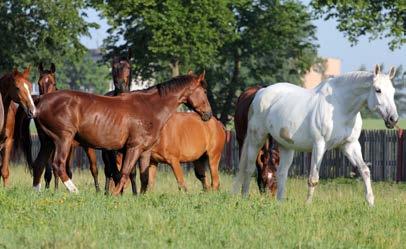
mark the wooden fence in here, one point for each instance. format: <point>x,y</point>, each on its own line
<point>379,147</point>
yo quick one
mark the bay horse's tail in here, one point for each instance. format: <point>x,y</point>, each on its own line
<point>22,136</point>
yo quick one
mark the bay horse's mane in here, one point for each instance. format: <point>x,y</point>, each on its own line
<point>174,84</point>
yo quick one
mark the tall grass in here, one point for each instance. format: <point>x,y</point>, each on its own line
<point>167,218</point>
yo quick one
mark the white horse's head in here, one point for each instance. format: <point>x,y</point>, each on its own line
<point>381,96</point>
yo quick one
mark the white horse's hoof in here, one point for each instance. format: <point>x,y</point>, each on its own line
<point>37,188</point>
<point>71,186</point>
<point>370,199</point>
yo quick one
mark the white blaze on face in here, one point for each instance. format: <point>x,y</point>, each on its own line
<point>270,176</point>
<point>30,99</point>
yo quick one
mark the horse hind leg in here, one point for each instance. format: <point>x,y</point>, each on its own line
<point>40,163</point>
<point>200,171</point>
<point>62,149</point>
<point>254,140</point>
<point>48,175</point>
<point>153,167</point>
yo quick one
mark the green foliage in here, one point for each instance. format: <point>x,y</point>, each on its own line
<point>33,31</point>
<point>166,34</point>
<point>85,75</point>
<point>376,19</point>
<point>167,218</point>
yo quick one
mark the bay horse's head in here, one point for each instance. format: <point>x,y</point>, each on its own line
<point>18,87</point>
<point>196,97</point>
<point>268,160</point>
<point>381,96</point>
<point>121,72</point>
<point>47,79</point>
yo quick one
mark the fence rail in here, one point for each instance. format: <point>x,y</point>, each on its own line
<point>379,147</point>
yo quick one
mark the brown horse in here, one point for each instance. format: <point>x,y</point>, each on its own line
<point>268,156</point>
<point>121,73</point>
<point>186,138</point>
<point>47,84</point>
<point>15,87</point>
<point>129,122</point>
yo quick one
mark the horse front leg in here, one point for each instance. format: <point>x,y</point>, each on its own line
<point>319,148</point>
<point>6,154</point>
<point>353,152</point>
<point>131,156</point>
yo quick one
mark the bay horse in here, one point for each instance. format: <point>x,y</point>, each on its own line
<point>315,120</point>
<point>186,138</point>
<point>47,84</point>
<point>15,87</point>
<point>122,79</point>
<point>130,122</point>
<point>268,156</point>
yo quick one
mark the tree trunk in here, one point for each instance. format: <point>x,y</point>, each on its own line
<point>175,67</point>
<point>232,88</point>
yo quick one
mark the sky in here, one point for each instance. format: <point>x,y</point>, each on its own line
<point>332,43</point>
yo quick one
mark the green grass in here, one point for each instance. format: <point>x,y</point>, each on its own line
<point>166,218</point>
<point>379,124</point>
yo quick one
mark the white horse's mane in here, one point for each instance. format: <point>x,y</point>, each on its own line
<point>351,77</point>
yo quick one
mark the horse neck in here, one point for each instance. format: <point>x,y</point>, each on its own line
<point>352,96</point>
<point>164,106</point>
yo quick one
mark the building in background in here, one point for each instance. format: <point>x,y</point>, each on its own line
<point>331,67</point>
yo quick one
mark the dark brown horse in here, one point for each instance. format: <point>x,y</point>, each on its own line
<point>129,122</point>
<point>268,156</point>
<point>15,87</point>
<point>186,138</point>
<point>47,84</point>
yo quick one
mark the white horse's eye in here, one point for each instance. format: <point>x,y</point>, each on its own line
<point>378,90</point>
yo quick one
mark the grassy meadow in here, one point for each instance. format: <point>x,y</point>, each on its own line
<point>166,218</point>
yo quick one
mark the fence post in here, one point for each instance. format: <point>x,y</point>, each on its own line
<point>399,161</point>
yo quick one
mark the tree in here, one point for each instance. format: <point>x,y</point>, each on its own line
<point>33,31</point>
<point>274,43</point>
<point>85,75</point>
<point>165,35</point>
<point>367,17</point>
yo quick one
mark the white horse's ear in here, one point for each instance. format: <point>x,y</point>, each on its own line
<point>377,69</point>
<point>392,72</point>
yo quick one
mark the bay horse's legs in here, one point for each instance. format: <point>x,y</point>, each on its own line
<point>62,149</point>
<point>178,172</point>
<point>69,161</point>
<point>48,175</point>
<point>112,164</point>
<point>200,171</point>
<point>131,156</point>
<point>214,161</point>
<point>317,156</point>
<point>144,172</point>
<point>153,167</point>
<point>353,152</point>
<point>42,159</point>
<point>133,180</point>
<point>107,171</point>
<point>91,155</point>
<point>284,165</point>
<point>5,166</point>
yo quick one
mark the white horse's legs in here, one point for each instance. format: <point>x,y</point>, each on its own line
<point>353,153</point>
<point>317,155</point>
<point>254,140</point>
<point>254,144</point>
<point>286,158</point>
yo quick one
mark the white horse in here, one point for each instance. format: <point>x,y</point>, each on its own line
<point>316,120</point>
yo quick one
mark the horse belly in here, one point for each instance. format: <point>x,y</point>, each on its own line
<point>290,127</point>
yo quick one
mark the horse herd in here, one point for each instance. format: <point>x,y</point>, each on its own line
<point>144,126</point>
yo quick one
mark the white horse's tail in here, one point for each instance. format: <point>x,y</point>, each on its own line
<point>242,168</point>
